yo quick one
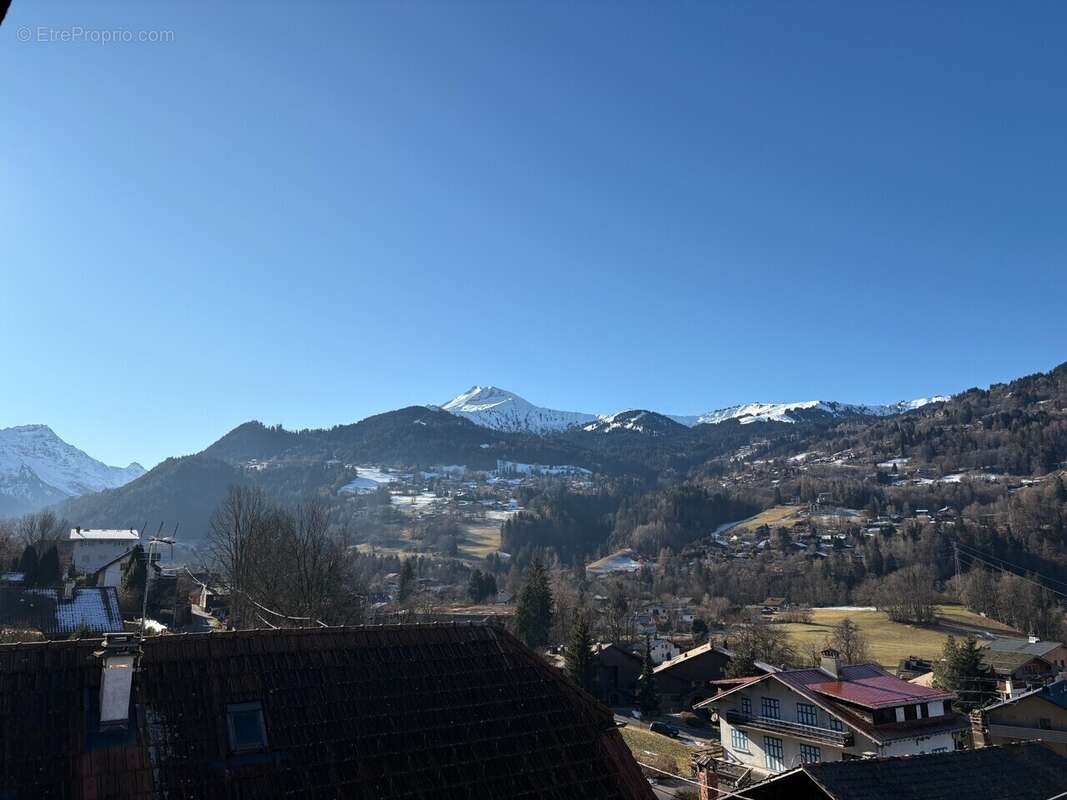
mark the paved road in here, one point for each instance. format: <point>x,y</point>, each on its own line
<point>686,735</point>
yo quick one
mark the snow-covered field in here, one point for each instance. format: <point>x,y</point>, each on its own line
<point>894,462</point>
<point>411,503</point>
<point>368,480</point>
<point>622,561</point>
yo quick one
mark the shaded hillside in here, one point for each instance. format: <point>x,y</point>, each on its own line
<point>184,490</point>
<point>1018,427</point>
<point>253,440</point>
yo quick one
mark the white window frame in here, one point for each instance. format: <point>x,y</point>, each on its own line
<point>739,740</point>
<point>808,714</point>
<point>774,751</point>
<point>768,704</point>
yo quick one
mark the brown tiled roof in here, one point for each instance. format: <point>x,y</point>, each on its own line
<point>384,712</point>
<point>1026,771</point>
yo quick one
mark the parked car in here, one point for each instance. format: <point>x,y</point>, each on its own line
<point>663,728</point>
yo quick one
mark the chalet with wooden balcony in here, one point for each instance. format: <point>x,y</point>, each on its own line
<point>834,712</point>
<point>1038,715</point>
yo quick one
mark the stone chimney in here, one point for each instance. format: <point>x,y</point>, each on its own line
<point>118,659</point>
<point>830,662</point>
<point>69,585</point>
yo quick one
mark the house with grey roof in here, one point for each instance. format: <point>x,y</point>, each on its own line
<point>1011,772</point>
<point>1037,715</point>
<point>1024,664</point>
<point>833,712</point>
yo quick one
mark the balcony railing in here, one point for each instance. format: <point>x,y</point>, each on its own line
<point>808,733</point>
<point>1027,733</point>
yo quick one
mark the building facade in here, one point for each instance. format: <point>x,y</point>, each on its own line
<point>835,712</point>
<point>91,548</point>
<point>1038,715</point>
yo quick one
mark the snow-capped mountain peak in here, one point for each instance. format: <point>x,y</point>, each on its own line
<point>499,409</point>
<point>790,412</point>
<point>37,468</point>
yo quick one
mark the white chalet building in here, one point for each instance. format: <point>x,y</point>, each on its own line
<point>91,548</point>
<point>660,650</point>
<point>834,712</point>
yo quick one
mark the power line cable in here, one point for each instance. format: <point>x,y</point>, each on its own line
<point>975,558</point>
<point>984,554</point>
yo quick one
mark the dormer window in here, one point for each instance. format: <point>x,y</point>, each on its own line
<point>244,723</point>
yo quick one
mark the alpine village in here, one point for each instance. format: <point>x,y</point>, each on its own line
<point>491,599</point>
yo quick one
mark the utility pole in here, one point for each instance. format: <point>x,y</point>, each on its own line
<point>956,559</point>
<point>148,573</point>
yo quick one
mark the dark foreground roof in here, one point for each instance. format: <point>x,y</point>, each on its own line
<point>377,712</point>
<point>1027,771</point>
<point>92,609</point>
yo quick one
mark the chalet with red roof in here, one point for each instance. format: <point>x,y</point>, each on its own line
<point>834,712</point>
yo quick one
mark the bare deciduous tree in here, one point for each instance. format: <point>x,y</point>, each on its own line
<point>43,526</point>
<point>282,566</point>
<point>847,639</point>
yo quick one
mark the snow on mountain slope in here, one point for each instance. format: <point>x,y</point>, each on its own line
<point>501,410</point>
<point>38,468</point>
<point>787,412</point>
<point>638,421</point>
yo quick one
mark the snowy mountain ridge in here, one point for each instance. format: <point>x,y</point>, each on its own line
<point>638,421</point>
<point>38,468</point>
<point>499,409</point>
<point>502,410</point>
<point>785,412</point>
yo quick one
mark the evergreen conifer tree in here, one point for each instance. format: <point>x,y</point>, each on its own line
<point>407,581</point>
<point>963,671</point>
<point>533,616</point>
<point>135,573</point>
<point>48,569</point>
<point>28,566</point>
<point>647,700</point>
<point>579,656</point>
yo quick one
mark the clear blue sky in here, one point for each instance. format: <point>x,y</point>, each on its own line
<point>310,212</point>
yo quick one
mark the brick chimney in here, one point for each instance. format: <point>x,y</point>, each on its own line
<point>118,659</point>
<point>708,780</point>
<point>830,662</point>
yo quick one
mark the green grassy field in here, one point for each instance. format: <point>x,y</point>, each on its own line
<point>892,641</point>
<point>646,745</point>
<point>480,540</point>
<point>776,517</point>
